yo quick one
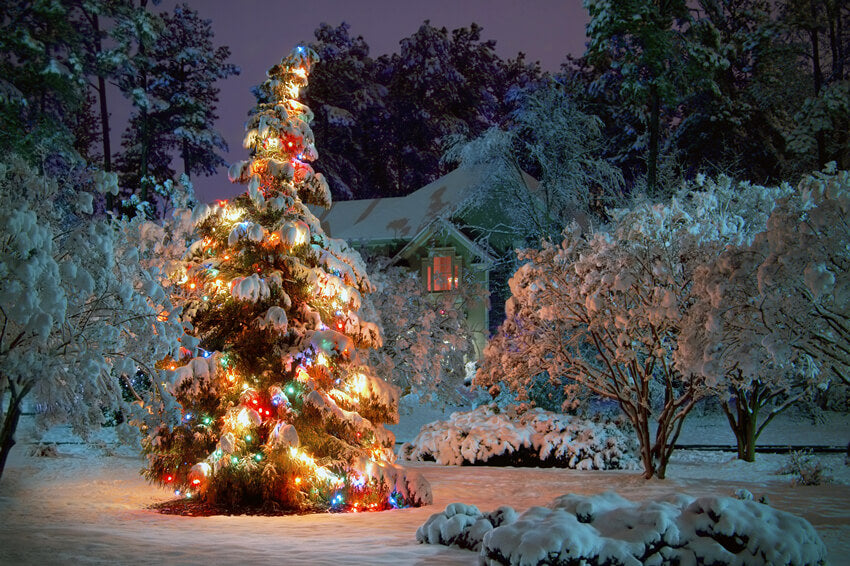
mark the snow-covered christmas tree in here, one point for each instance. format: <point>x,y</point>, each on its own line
<point>278,408</point>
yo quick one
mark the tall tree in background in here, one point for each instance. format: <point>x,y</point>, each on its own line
<point>821,29</point>
<point>745,84</point>
<point>135,34</point>
<point>285,412</point>
<point>431,99</point>
<point>186,68</point>
<point>42,87</point>
<point>348,103</point>
<point>383,122</point>
<point>88,18</point>
<point>170,76</point>
<point>642,42</point>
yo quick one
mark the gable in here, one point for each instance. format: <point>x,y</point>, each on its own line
<point>442,234</point>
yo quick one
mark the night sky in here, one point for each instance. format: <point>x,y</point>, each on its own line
<point>259,33</point>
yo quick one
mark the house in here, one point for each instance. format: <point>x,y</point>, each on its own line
<point>425,232</point>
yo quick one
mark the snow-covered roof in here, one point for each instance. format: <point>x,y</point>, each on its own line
<point>402,218</point>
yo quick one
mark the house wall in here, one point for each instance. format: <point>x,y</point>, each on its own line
<point>474,272</point>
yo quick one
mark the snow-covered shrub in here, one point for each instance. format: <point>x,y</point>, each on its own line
<point>80,313</point>
<point>535,438</point>
<point>805,468</point>
<point>42,450</point>
<point>608,529</point>
<point>463,526</point>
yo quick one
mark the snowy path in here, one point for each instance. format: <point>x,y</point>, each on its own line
<point>89,509</point>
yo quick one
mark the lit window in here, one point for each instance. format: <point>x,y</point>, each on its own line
<point>441,272</point>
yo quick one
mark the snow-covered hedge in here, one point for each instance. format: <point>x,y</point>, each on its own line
<point>535,438</point>
<point>608,529</point>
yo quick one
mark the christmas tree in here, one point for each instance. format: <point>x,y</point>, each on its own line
<point>279,410</point>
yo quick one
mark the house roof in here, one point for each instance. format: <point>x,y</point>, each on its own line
<point>402,218</point>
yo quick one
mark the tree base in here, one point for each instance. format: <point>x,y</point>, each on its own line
<point>200,508</point>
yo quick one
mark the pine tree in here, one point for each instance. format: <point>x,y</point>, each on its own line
<point>642,41</point>
<point>279,410</point>
<point>347,100</point>
<point>186,70</point>
<point>42,87</point>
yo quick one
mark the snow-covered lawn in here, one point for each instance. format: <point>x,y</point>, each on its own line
<point>84,507</point>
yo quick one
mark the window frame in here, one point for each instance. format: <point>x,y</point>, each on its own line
<point>429,273</point>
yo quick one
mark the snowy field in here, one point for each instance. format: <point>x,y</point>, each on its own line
<point>87,507</point>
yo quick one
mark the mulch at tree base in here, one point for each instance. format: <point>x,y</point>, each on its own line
<point>200,508</point>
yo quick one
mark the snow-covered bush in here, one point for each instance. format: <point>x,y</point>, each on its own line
<point>772,312</point>
<point>805,468</point>
<point>601,312</point>
<point>463,526</point>
<point>535,438</point>
<point>609,529</point>
<point>80,314</point>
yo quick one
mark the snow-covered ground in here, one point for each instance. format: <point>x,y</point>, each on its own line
<point>87,507</point>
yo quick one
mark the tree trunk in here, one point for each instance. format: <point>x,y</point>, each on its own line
<point>145,142</point>
<point>669,427</point>
<point>818,80</point>
<point>104,112</point>
<point>639,417</point>
<point>10,424</point>
<point>642,430</point>
<point>654,127</point>
<point>744,421</point>
<point>187,164</point>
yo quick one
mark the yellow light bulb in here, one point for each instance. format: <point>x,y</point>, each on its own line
<point>234,213</point>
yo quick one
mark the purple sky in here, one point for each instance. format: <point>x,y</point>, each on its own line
<point>259,33</point>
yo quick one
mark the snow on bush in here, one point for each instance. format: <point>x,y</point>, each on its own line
<point>609,529</point>
<point>463,526</point>
<point>534,438</point>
